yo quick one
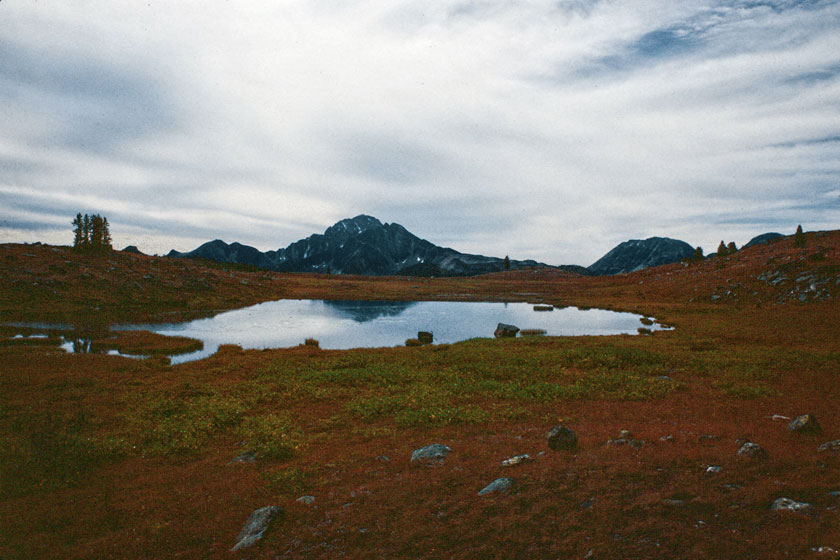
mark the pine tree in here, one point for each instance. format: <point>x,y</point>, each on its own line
<point>77,231</point>
<point>106,236</point>
<point>95,240</point>
<point>507,262</point>
<point>721,251</point>
<point>799,237</point>
<point>698,254</point>
<point>86,232</point>
<point>731,248</point>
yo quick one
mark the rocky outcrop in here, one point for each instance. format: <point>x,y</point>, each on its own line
<point>498,486</point>
<point>805,424</point>
<point>256,525</point>
<point>787,504</point>
<point>637,254</point>
<point>750,450</point>
<point>433,453</point>
<point>505,331</point>
<point>562,438</point>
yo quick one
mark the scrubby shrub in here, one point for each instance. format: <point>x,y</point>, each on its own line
<point>312,342</point>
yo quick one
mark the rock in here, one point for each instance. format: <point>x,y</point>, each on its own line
<point>827,550</point>
<point>778,418</point>
<point>619,442</point>
<point>625,437</point>
<point>805,424</point>
<point>712,469</point>
<point>751,450</point>
<point>786,504</point>
<point>668,439</point>
<point>433,453</point>
<point>500,485</point>
<point>560,437</point>
<point>425,337</point>
<point>505,331</point>
<point>830,446</point>
<point>307,500</point>
<point>673,502</point>
<point>517,460</point>
<point>256,525</point>
<point>383,458</point>
<point>246,457</point>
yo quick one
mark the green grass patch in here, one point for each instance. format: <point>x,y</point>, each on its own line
<point>182,425</point>
<point>272,436</point>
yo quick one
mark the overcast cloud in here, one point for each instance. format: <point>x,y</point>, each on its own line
<point>550,130</point>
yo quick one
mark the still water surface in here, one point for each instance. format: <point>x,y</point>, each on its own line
<point>369,324</point>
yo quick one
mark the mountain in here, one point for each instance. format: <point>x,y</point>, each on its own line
<point>637,254</point>
<point>360,245</point>
<point>763,238</point>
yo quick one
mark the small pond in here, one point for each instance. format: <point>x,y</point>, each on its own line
<point>370,324</point>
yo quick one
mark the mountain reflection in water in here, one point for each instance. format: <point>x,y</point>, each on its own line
<point>364,311</point>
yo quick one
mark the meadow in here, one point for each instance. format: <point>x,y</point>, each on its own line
<point>113,457</point>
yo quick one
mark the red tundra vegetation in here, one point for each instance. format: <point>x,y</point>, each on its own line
<point>107,456</point>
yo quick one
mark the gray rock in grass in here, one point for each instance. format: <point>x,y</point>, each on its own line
<point>256,525</point>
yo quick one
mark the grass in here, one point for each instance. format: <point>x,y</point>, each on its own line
<point>104,456</point>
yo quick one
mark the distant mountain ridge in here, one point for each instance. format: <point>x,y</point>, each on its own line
<point>361,245</point>
<point>637,254</point>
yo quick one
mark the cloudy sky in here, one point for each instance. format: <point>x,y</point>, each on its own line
<point>541,129</point>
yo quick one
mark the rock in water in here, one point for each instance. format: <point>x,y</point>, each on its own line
<point>500,485</point>
<point>752,451</point>
<point>434,453</point>
<point>786,504</point>
<point>254,528</point>
<point>805,424</point>
<point>504,331</point>
<point>561,437</point>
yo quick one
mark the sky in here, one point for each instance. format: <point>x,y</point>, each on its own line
<point>546,130</point>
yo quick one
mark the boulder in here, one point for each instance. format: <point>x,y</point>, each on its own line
<point>433,453</point>
<point>830,446</point>
<point>256,525</point>
<point>560,437</point>
<point>500,486</point>
<point>306,500</point>
<point>805,424</point>
<point>504,331</point>
<point>245,457</point>
<point>517,460</point>
<point>786,504</point>
<point>752,450</point>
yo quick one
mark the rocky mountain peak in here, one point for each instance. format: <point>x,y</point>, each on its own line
<point>352,226</point>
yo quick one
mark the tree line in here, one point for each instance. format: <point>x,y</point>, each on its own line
<point>91,233</point>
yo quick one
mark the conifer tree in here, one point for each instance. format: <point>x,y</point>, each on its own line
<point>731,248</point>
<point>721,251</point>
<point>77,231</point>
<point>106,236</point>
<point>698,254</point>
<point>799,237</point>
<point>86,232</point>
<point>507,262</point>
